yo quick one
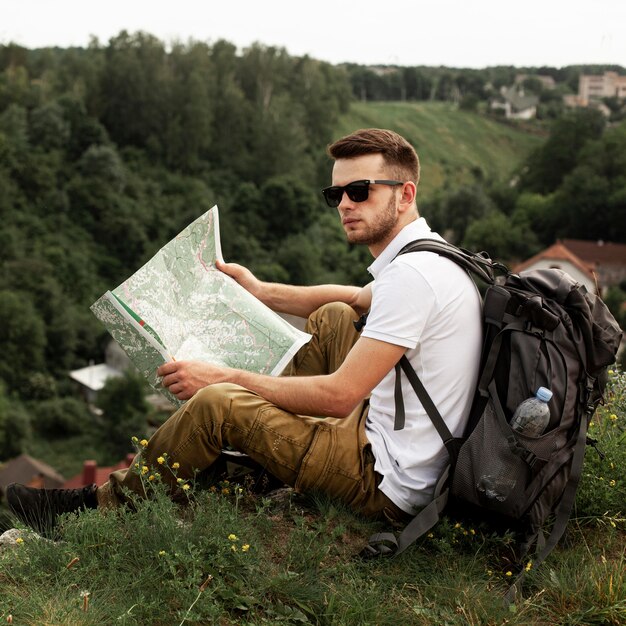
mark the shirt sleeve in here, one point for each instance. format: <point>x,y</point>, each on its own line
<point>402,303</point>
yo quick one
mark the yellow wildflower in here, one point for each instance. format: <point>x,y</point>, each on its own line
<point>528,566</point>
<point>612,483</point>
<point>162,552</point>
<point>144,469</point>
<point>472,531</point>
<point>232,537</point>
<point>19,540</point>
<point>233,547</point>
<point>430,535</point>
<point>151,477</point>
<point>175,465</point>
<point>245,547</point>
<point>143,442</point>
<point>225,491</point>
<point>613,416</point>
<point>160,460</point>
<point>509,573</point>
<point>457,525</point>
<point>611,372</point>
<point>185,487</point>
<point>137,465</point>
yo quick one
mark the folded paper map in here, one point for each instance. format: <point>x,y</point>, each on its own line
<point>180,306</point>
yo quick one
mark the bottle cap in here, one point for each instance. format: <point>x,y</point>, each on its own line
<point>545,395</point>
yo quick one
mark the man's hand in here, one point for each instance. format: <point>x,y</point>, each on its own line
<point>243,276</point>
<point>183,379</point>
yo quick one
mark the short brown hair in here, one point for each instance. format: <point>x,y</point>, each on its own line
<point>397,152</point>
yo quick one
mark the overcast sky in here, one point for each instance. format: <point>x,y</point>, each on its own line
<point>455,33</point>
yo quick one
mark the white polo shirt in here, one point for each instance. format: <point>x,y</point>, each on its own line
<point>431,306</point>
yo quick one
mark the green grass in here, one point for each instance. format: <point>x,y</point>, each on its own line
<point>451,143</point>
<point>233,557</point>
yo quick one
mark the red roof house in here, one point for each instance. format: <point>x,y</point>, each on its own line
<point>595,264</point>
<point>93,474</point>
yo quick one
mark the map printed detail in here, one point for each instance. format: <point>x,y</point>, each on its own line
<point>180,306</point>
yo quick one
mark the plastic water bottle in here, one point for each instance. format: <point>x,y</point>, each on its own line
<point>530,418</point>
<point>533,415</point>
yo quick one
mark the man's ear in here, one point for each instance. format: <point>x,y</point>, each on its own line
<point>408,194</point>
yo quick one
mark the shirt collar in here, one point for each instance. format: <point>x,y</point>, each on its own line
<point>418,229</point>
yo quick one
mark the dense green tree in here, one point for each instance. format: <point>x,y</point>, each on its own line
<point>591,202</point>
<point>124,410</point>
<point>135,91</point>
<point>85,130</point>
<point>48,127</point>
<point>62,417</point>
<point>454,210</point>
<point>537,212</point>
<point>14,127</point>
<point>233,114</point>
<point>417,84</point>
<point>549,164</point>
<point>35,277</point>
<point>288,206</point>
<point>22,338</point>
<point>15,426</point>
<point>615,299</point>
<point>502,238</point>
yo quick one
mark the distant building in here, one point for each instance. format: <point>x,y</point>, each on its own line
<point>515,103</point>
<point>593,88</point>
<point>597,265</point>
<point>91,379</point>
<point>28,471</point>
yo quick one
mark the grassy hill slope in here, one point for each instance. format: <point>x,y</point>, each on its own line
<point>451,143</point>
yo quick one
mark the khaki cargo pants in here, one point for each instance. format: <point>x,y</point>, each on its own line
<point>328,455</point>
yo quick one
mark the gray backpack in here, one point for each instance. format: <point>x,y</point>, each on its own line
<point>540,328</point>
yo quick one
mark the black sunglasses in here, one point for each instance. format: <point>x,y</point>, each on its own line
<point>358,190</point>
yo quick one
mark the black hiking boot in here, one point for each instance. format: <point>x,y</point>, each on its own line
<point>39,508</point>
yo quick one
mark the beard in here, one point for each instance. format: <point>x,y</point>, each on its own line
<point>380,229</point>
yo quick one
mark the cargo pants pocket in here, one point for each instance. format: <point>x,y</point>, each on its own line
<point>318,460</point>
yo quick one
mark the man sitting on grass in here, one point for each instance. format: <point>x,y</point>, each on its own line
<point>420,304</point>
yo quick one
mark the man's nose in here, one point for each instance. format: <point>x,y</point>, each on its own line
<point>345,202</point>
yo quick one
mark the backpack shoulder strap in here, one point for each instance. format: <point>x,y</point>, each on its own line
<point>452,443</point>
<point>477,263</point>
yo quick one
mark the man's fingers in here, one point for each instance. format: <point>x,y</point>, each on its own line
<point>168,368</point>
<point>227,268</point>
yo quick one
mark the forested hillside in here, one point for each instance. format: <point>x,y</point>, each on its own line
<point>107,152</point>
